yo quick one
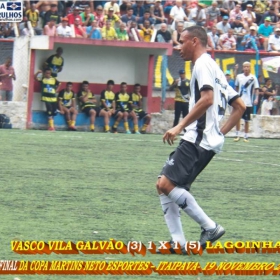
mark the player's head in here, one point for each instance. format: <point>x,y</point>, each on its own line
<point>69,86</point>
<point>47,73</point>
<point>193,39</point>
<point>246,67</point>
<point>59,51</point>
<point>85,85</point>
<point>8,61</point>
<point>182,73</point>
<point>110,84</point>
<point>123,87</point>
<point>137,88</point>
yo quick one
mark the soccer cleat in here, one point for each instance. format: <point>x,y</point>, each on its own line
<point>137,132</point>
<point>211,235</point>
<point>128,132</point>
<point>143,132</point>
<point>114,130</point>
<point>236,139</point>
<point>246,140</point>
<point>51,129</point>
<point>107,131</point>
<point>92,130</point>
<point>72,128</point>
<point>172,249</point>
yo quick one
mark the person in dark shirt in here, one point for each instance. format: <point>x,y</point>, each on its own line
<point>52,14</point>
<point>163,35</point>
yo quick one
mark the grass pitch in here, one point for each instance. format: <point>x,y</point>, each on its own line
<point>94,186</point>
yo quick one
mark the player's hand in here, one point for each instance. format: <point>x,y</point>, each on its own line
<point>61,111</point>
<point>256,102</point>
<point>170,135</point>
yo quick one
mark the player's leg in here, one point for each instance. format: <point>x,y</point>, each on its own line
<point>66,113</point>
<point>134,117</point>
<point>73,116</point>
<point>185,108</point>
<point>147,120</point>
<point>125,123</point>
<point>92,115</point>
<point>105,115</point>
<point>50,116</point>
<point>237,132</point>
<point>118,116</point>
<point>247,118</point>
<point>177,112</point>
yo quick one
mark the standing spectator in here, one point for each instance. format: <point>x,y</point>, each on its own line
<point>177,14</point>
<point>50,28</point>
<point>250,41</point>
<point>83,5</point>
<point>260,9</point>
<point>75,14</point>
<point>213,38</point>
<point>229,79</point>
<point>264,31</point>
<point>111,16</point>
<point>147,16</point>
<point>64,30</point>
<point>67,105</point>
<point>52,14</point>
<point>146,31</point>
<point>112,5</point>
<point>247,85</point>
<point>223,26</point>
<point>7,75</point>
<point>133,25</point>
<point>177,33</point>
<point>99,16</point>
<point>138,9</point>
<point>249,14</point>
<point>225,7</point>
<point>182,96</point>
<point>33,16</point>
<point>49,86</point>
<point>93,31</point>
<point>227,41</point>
<point>270,14</point>
<point>236,12</point>
<point>212,14</point>
<point>163,35</point>
<point>157,13</point>
<point>87,17</point>
<point>55,62</point>
<point>122,33</point>
<point>274,41</point>
<point>197,15</point>
<point>128,17</point>
<point>108,32</point>
<point>79,31</point>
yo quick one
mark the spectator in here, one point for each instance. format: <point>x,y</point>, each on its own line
<point>124,7</point>
<point>67,106</point>
<point>79,31</point>
<point>177,14</point>
<point>108,32</point>
<point>225,7</point>
<point>93,31</point>
<point>83,5</point>
<point>33,16</point>
<point>122,33</point>
<point>260,9</point>
<point>157,13</point>
<point>212,14</point>
<point>163,35</point>
<point>249,24</point>
<point>229,79</point>
<point>25,31</point>
<point>6,30</point>
<point>223,26</point>
<point>75,14</point>
<point>274,41</point>
<point>112,17</point>
<point>128,17</point>
<point>267,105</point>
<point>250,41</point>
<point>213,38</point>
<point>52,14</point>
<point>146,31</point>
<point>270,14</point>
<point>64,30</point>
<point>7,75</point>
<point>227,41</point>
<point>133,25</point>
<point>147,16</point>
<point>55,62</point>
<point>265,30</point>
<point>197,15</point>
<point>99,16</point>
<point>138,9</point>
<point>238,29</point>
<point>137,106</point>
<point>87,17</point>
<point>89,107</point>
<point>249,14</point>
<point>49,87</point>
<point>50,28</point>
<point>236,12</point>
<point>112,5</point>
<point>177,33</point>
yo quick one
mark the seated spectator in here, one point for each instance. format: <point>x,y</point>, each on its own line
<point>223,26</point>
<point>50,28</point>
<point>112,5</point>
<point>123,104</point>
<point>213,38</point>
<point>133,26</point>
<point>108,32</point>
<point>212,14</point>
<point>99,16</point>
<point>227,41</point>
<point>225,7</point>
<point>78,29</point>
<point>25,31</point>
<point>163,35</point>
<point>64,30</point>
<point>236,12</point>
<point>249,14</point>
<point>74,15</point>
<point>122,33</point>
<point>137,107</point>
<point>177,14</point>
<point>112,17</point>
<point>55,62</point>
<point>270,14</point>
<point>93,31</point>
<point>197,15</point>
<point>88,106</point>
<point>5,30</point>
<point>238,29</point>
<point>157,13</point>
<point>33,16</point>
<point>260,9</point>
<point>138,9</point>
<point>125,6</point>
<point>249,24</point>
<point>128,17</point>
<point>87,17</point>
<point>267,103</point>
<point>83,5</point>
<point>251,41</point>
<point>177,33</point>
<point>264,31</point>
<point>274,41</point>
<point>146,31</point>
<point>67,106</point>
<point>52,14</point>
<point>147,16</point>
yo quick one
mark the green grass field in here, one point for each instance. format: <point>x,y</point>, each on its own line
<point>94,186</point>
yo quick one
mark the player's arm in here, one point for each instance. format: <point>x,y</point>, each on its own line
<point>102,99</point>
<point>73,103</point>
<point>59,101</point>
<point>238,108</point>
<point>36,75</point>
<point>57,83</point>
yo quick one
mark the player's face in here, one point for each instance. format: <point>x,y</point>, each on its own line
<point>85,87</point>
<point>48,74</point>
<point>110,87</point>
<point>69,87</point>
<point>123,88</point>
<point>187,46</point>
<point>137,89</point>
<point>246,69</point>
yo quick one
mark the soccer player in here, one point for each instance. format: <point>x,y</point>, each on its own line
<point>136,101</point>
<point>67,105</point>
<point>88,106</point>
<point>247,86</point>
<point>49,87</point>
<point>202,140</point>
<point>55,62</point>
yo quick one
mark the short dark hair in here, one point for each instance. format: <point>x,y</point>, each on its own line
<point>47,69</point>
<point>123,84</point>
<point>147,11</point>
<point>69,84</point>
<point>199,32</point>
<point>137,85</point>
<point>85,83</point>
<point>129,9</point>
<point>110,82</point>
<point>59,49</point>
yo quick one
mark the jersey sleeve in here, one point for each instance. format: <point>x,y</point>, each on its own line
<point>49,60</point>
<point>232,94</point>
<point>237,81</point>
<point>256,83</point>
<point>102,95</point>
<point>205,76</point>
<point>60,95</point>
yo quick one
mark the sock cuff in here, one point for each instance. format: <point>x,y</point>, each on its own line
<point>176,193</point>
<point>164,199</point>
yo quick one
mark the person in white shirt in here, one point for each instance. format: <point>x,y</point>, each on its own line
<point>223,26</point>
<point>177,14</point>
<point>209,95</point>
<point>198,15</point>
<point>114,5</point>
<point>274,41</point>
<point>248,86</point>
<point>249,14</point>
<point>213,38</point>
<point>64,30</point>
